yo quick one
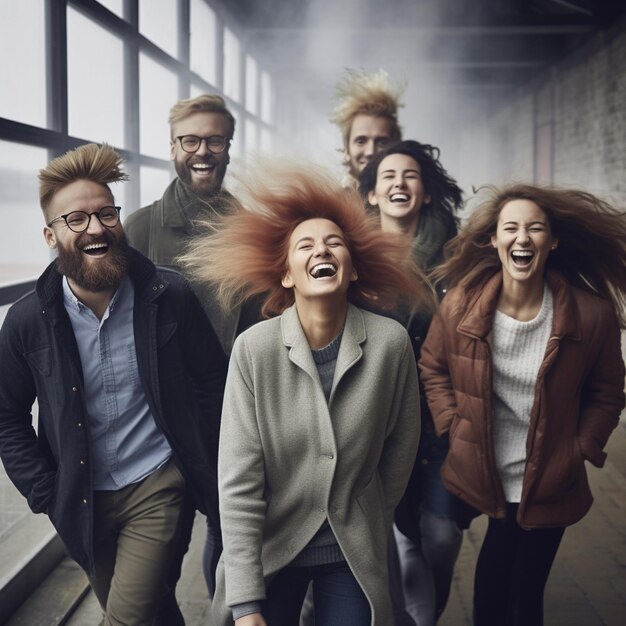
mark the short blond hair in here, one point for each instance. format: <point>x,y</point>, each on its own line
<point>97,163</point>
<point>360,93</point>
<point>205,103</point>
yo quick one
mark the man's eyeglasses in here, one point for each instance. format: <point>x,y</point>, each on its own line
<point>214,143</point>
<point>78,221</point>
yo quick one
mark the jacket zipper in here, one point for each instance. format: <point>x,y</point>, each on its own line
<point>552,349</point>
<point>496,484</point>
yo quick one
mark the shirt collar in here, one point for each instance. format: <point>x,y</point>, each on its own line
<point>71,300</point>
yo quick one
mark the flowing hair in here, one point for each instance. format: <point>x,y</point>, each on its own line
<point>360,93</point>
<point>591,253</point>
<point>244,253</point>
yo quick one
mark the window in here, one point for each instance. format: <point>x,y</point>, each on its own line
<point>266,98</point>
<point>231,65</point>
<point>23,252</point>
<point>158,91</point>
<point>95,81</point>
<point>115,6</point>
<point>196,90</point>
<point>252,82</point>
<point>22,40</point>
<point>203,28</point>
<point>158,21</point>
<point>252,142</point>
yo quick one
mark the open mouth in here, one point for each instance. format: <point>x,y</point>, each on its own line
<point>202,169</point>
<point>96,249</point>
<point>522,257</point>
<point>399,197</point>
<point>323,270</point>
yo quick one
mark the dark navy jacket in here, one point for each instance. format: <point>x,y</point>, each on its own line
<point>182,368</point>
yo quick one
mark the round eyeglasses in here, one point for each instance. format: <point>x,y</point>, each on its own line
<point>214,143</point>
<point>78,221</point>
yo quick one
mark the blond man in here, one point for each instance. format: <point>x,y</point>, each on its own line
<point>366,113</point>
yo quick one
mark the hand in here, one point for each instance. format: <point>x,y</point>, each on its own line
<point>254,619</point>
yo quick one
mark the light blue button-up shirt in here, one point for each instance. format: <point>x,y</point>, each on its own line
<point>124,440</point>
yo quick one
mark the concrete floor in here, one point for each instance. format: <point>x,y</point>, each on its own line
<point>587,586</point>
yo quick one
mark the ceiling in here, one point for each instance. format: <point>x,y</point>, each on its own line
<point>480,48</point>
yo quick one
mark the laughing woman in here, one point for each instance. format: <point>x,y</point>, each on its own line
<point>523,370</point>
<point>321,412</point>
<point>414,195</point>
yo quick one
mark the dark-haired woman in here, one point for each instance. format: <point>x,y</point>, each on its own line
<point>410,191</point>
<point>321,411</point>
<point>523,370</point>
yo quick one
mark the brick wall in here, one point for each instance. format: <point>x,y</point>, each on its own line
<point>568,127</point>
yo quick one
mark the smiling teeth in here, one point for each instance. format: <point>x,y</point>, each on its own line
<point>328,269</point>
<point>399,197</point>
<point>522,253</point>
<point>201,166</point>
<point>95,246</point>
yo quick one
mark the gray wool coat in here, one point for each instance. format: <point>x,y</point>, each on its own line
<point>288,460</point>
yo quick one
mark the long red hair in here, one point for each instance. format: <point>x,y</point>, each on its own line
<point>244,253</point>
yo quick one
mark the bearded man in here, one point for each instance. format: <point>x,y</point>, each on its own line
<point>201,130</point>
<point>128,375</point>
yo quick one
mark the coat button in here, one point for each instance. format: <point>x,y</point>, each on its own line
<point>82,461</point>
<point>330,456</point>
<point>154,288</point>
<point>80,424</point>
<point>74,389</point>
<point>84,500</point>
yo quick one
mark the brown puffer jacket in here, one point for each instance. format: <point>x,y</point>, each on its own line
<point>578,399</point>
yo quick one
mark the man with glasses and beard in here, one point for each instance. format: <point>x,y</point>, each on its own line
<point>128,375</point>
<point>201,130</point>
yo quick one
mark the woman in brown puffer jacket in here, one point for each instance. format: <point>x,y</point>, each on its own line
<point>523,372</point>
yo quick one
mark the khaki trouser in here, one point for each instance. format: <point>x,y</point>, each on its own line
<point>134,536</point>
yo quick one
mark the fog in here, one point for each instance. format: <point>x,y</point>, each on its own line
<point>405,38</point>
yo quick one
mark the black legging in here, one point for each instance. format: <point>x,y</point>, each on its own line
<point>512,571</point>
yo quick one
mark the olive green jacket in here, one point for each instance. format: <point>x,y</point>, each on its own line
<point>162,230</point>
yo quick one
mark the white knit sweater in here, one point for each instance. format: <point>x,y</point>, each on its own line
<point>518,351</point>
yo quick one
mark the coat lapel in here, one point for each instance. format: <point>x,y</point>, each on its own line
<point>295,340</point>
<point>300,353</point>
<point>350,349</point>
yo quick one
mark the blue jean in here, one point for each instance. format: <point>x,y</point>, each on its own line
<point>337,596</point>
<point>427,567</point>
<point>428,531</point>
